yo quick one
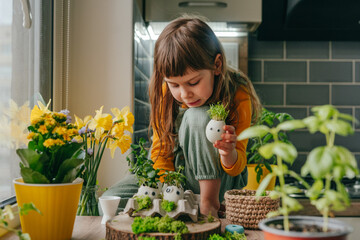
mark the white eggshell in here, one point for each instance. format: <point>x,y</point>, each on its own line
<point>214,129</point>
<point>148,191</point>
<point>173,194</point>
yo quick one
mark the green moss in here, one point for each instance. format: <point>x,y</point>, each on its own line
<point>218,112</point>
<point>155,224</point>
<point>168,206</point>
<point>228,236</point>
<point>210,218</point>
<point>147,238</point>
<point>144,202</point>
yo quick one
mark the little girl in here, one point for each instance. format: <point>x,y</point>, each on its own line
<point>190,72</point>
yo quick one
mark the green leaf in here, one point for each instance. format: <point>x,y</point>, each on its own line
<point>347,117</point>
<point>324,112</point>
<point>292,204</point>
<point>31,176</point>
<point>26,208</point>
<point>291,189</point>
<point>320,204</point>
<point>255,131</point>
<point>273,214</point>
<point>32,159</point>
<point>320,162</point>
<point>315,190</point>
<point>312,123</point>
<point>340,127</point>
<point>338,172</point>
<point>345,156</point>
<point>286,151</point>
<point>268,166</point>
<point>24,236</point>
<point>9,212</point>
<point>267,138</point>
<point>264,183</point>
<point>68,170</point>
<point>283,117</point>
<point>291,125</point>
<point>267,150</point>
<point>259,173</point>
<point>274,195</point>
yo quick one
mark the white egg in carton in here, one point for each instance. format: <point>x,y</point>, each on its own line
<point>187,203</point>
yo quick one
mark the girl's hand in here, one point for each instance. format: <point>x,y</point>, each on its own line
<point>227,145</point>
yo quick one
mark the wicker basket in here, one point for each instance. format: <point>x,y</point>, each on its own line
<point>243,208</point>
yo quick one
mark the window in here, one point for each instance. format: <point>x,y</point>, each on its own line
<point>25,68</point>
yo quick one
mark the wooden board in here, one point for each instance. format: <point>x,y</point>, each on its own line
<point>119,228</point>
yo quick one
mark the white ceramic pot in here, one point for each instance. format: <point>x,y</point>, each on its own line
<point>173,194</point>
<point>148,191</point>
<point>214,129</point>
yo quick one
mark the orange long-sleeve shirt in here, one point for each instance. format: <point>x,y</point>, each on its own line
<point>244,121</point>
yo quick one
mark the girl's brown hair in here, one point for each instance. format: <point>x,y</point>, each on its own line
<point>188,43</point>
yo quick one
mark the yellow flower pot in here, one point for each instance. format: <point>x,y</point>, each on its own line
<point>252,183</point>
<point>57,203</point>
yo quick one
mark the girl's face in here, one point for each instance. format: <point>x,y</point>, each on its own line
<point>194,88</point>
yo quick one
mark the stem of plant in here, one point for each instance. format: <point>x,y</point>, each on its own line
<point>326,210</point>
<point>282,184</point>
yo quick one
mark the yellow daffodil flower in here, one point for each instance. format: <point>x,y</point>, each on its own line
<point>79,123</point>
<point>19,114</point>
<point>100,123</point>
<point>124,115</point>
<point>118,130</point>
<point>38,111</point>
<point>123,143</point>
<point>13,125</point>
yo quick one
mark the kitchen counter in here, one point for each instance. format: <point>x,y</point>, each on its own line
<point>89,228</point>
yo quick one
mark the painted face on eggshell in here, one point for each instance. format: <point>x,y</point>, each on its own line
<point>148,191</point>
<point>173,194</point>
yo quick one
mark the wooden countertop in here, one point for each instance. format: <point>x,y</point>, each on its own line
<point>90,228</point>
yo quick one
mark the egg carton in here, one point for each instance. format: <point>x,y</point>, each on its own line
<point>188,206</point>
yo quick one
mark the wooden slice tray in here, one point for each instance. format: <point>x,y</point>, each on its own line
<point>119,228</point>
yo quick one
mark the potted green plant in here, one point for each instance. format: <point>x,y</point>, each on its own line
<point>324,164</point>
<point>49,166</point>
<point>148,177</point>
<point>258,167</point>
<point>173,189</point>
<point>218,115</point>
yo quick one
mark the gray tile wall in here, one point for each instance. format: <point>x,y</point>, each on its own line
<point>143,47</point>
<point>294,76</point>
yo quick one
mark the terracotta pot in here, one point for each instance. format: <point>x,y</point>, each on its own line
<point>341,230</point>
<point>252,183</point>
<point>57,203</point>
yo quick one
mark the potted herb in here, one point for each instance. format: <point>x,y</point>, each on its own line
<point>148,177</point>
<point>173,189</point>
<point>258,167</point>
<point>218,115</point>
<point>324,164</point>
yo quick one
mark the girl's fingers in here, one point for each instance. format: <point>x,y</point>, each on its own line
<point>231,138</point>
<point>229,129</point>
<point>227,147</point>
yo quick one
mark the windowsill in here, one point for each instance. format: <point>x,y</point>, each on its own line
<point>14,223</point>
